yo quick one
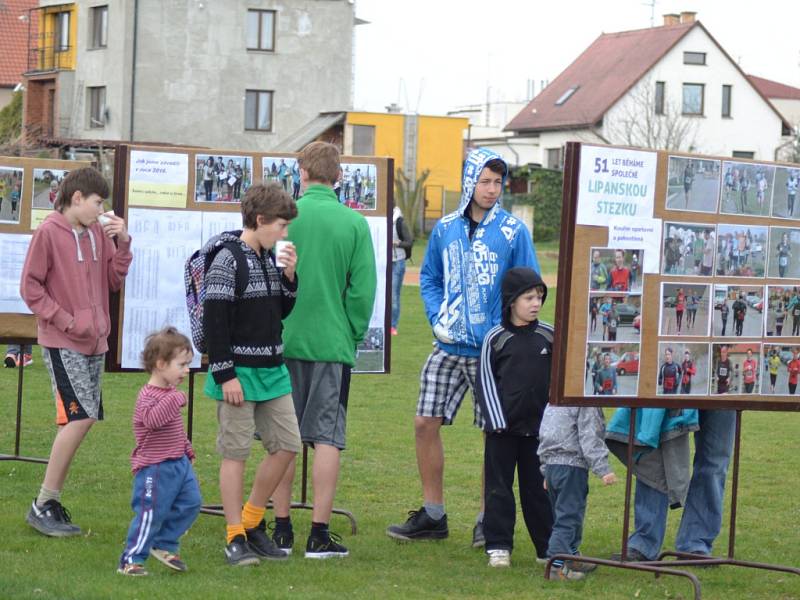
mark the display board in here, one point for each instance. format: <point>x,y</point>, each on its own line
<point>27,192</point>
<point>679,281</point>
<point>176,198</point>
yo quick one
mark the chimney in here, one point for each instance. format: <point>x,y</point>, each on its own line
<point>687,16</point>
<point>671,19</point>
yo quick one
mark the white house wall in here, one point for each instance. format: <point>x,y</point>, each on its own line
<point>753,125</point>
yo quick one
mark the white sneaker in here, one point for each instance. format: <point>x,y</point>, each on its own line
<point>499,558</point>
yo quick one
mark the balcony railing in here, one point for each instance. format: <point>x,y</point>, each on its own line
<point>46,54</point>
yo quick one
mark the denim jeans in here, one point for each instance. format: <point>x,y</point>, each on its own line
<point>568,488</point>
<point>398,271</point>
<point>17,349</point>
<point>702,514</point>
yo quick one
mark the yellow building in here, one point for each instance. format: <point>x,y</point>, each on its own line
<point>417,143</point>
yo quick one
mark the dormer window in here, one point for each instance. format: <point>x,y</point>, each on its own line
<point>567,95</point>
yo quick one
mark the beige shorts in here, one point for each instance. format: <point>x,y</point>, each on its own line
<point>274,420</point>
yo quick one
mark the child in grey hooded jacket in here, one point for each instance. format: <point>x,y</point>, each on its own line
<point>571,441</point>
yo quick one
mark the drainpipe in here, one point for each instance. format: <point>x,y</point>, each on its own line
<point>133,63</point>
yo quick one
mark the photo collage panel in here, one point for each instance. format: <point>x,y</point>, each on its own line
<point>614,322</point>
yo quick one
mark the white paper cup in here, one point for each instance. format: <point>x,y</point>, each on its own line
<point>279,246</point>
<point>105,218</point>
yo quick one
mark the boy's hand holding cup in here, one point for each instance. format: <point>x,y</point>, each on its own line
<point>113,225</point>
<point>286,258</point>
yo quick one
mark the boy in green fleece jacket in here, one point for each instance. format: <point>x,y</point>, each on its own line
<point>336,263</point>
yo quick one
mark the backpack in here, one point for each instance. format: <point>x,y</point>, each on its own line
<point>194,273</point>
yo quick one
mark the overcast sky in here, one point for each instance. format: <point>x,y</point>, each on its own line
<point>432,56</point>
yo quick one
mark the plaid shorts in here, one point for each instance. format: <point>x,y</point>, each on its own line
<point>443,384</point>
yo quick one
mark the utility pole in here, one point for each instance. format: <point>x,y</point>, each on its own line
<point>652,5</point>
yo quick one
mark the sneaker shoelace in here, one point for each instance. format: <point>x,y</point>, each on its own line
<point>61,513</point>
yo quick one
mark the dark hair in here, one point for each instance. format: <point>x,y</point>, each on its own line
<point>86,180</point>
<point>269,201</point>
<point>321,161</point>
<point>496,166</point>
<point>164,345</point>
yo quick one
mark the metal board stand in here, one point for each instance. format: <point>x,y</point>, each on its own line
<point>659,566</point>
<point>216,509</point>
<point>18,425</point>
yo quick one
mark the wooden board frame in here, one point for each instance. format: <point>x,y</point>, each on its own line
<point>384,206</point>
<point>20,327</point>
<point>573,293</point>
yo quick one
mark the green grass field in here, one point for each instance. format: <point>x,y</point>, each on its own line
<point>378,484</point>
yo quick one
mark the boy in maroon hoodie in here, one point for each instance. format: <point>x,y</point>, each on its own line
<point>72,265</point>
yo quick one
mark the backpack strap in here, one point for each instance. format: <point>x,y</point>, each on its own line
<point>242,269</point>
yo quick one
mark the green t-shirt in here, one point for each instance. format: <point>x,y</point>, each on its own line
<point>258,384</point>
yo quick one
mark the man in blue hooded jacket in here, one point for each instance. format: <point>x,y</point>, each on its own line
<point>468,253</point>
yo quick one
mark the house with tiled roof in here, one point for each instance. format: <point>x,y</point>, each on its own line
<point>14,26</point>
<point>667,87</point>
<point>784,97</point>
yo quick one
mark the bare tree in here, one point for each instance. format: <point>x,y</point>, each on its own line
<point>637,123</point>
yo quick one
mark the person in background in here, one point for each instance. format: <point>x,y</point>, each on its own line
<point>402,242</point>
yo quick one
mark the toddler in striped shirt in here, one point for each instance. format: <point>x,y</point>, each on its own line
<point>166,496</point>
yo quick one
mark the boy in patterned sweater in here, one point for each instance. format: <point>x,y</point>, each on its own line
<point>166,496</point>
<point>247,375</point>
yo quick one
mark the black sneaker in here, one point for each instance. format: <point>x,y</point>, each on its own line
<point>478,539</point>
<point>52,519</point>
<point>419,526</point>
<point>282,535</point>
<point>239,553</point>
<point>325,546</point>
<point>261,544</point>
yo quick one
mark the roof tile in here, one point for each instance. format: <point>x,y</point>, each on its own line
<point>14,40</point>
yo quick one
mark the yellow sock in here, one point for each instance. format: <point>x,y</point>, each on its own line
<point>233,530</point>
<point>251,515</point>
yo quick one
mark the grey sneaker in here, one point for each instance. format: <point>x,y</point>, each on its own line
<point>52,519</point>
<point>239,553</point>
<point>261,544</point>
<point>282,535</point>
<point>478,539</point>
<point>564,573</point>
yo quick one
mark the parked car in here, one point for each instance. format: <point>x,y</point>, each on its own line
<point>637,323</point>
<point>628,364</point>
<point>626,313</point>
<point>752,299</point>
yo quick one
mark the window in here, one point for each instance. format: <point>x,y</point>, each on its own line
<point>693,98</point>
<point>743,154</point>
<point>62,32</point>
<point>258,110</point>
<point>554,158</point>
<point>726,100</point>
<point>660,85</point>
<point>99,26</point>
<point>364,140</point>
<point>567,95</point>
<point>261,30</point>
<point>97,107</point>
<point>694,58</point>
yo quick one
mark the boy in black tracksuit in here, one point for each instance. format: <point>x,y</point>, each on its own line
<point>512,388</point>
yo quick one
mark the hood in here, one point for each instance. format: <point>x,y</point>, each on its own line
<point>473,165</point>
<point>57,219</point>
<point>517,281</point>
